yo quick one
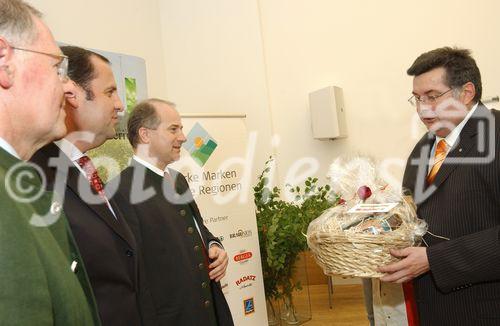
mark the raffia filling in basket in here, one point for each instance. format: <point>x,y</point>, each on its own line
<point>355,244</point>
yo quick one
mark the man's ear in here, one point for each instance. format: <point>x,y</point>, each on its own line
<point>7,68</point>
<point>144,135</point>
<point>468,93</point>
<point>72,95</point>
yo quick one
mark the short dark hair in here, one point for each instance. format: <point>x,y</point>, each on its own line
<point>144,115</point>
<point>460,67</point>
<point>80,67</point>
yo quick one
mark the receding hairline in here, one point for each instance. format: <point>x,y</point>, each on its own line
<point>156,104</point>
<point>96,58</point>
<point>154,101</point>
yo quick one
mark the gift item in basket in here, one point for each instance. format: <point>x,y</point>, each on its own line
<point>378,224</point>
<point>355,238</point>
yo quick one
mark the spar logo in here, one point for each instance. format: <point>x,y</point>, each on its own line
<point>248,306</point>
<point>243,256</point>
<point>245,281</point>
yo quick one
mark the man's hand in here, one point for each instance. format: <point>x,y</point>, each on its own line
<point>413,264</point>
<point>219,265</point>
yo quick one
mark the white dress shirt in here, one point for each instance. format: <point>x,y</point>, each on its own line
<point>8,148</point>
<point>452,137</point>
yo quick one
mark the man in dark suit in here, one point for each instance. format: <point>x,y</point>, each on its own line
<point>454,174</point>
<point>184,262</point>
<point>107,245</point>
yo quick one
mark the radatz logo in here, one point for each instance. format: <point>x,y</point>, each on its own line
<point>245,281</point>
<point>248,306</point>
<point>241,234</point>
<point>243,257</point>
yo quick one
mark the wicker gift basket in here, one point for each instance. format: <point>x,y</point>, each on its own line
<point>354,237</point>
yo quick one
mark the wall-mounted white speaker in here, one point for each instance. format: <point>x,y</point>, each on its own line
<point>328,113</point>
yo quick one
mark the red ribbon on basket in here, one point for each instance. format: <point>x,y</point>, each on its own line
<point>411,304</point>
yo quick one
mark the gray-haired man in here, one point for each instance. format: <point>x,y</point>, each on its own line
<point>40,265</point>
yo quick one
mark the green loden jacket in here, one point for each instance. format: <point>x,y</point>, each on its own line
<point>42,277</point>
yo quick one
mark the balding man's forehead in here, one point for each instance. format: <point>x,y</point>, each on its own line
<point>166,108</point>
<point>44,39</point>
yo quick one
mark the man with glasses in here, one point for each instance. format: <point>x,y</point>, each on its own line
<point>42,280</point>
<point>454,175</point>
<point>107,245</point>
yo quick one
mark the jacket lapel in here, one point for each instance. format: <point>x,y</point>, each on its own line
<point>465,144</point>
<point>417,167</point>
<point>461,150</point>
<point>74,178</point>
<point>179,188</point>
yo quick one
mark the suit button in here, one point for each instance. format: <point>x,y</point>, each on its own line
<point>190,230</point>
<point>207,304</point>
<point>196,248</point>
<point>200,266</point>
<point>204,285</point>
<point>182,212</point>
<point>129,253</point>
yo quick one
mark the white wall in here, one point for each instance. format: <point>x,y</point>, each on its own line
<point>215,63</point>
<point>264,57</point>
<point>125,26</point>
<point>365,47</point>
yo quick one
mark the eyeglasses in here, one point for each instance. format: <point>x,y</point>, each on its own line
<point>62,65</point>
<point>426,99</point>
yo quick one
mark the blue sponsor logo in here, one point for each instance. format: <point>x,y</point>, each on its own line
<point>249,306</point>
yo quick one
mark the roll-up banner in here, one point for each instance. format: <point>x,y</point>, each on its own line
<point>216,161</point>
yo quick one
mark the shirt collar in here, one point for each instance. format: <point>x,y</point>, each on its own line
<point>8,148</point>
<point>452,137</point>
<point>150,166</point>
<point>69,149</point>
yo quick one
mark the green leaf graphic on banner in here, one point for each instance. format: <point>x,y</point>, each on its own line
<point>130,93</point>
<point>199,144</point>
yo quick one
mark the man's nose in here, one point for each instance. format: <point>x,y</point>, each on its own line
<point>119,104</point>
<point>182,137</point>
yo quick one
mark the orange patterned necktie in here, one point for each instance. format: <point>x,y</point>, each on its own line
<point>439,157</point>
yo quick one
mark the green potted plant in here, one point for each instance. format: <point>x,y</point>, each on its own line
<point>281,227</point>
